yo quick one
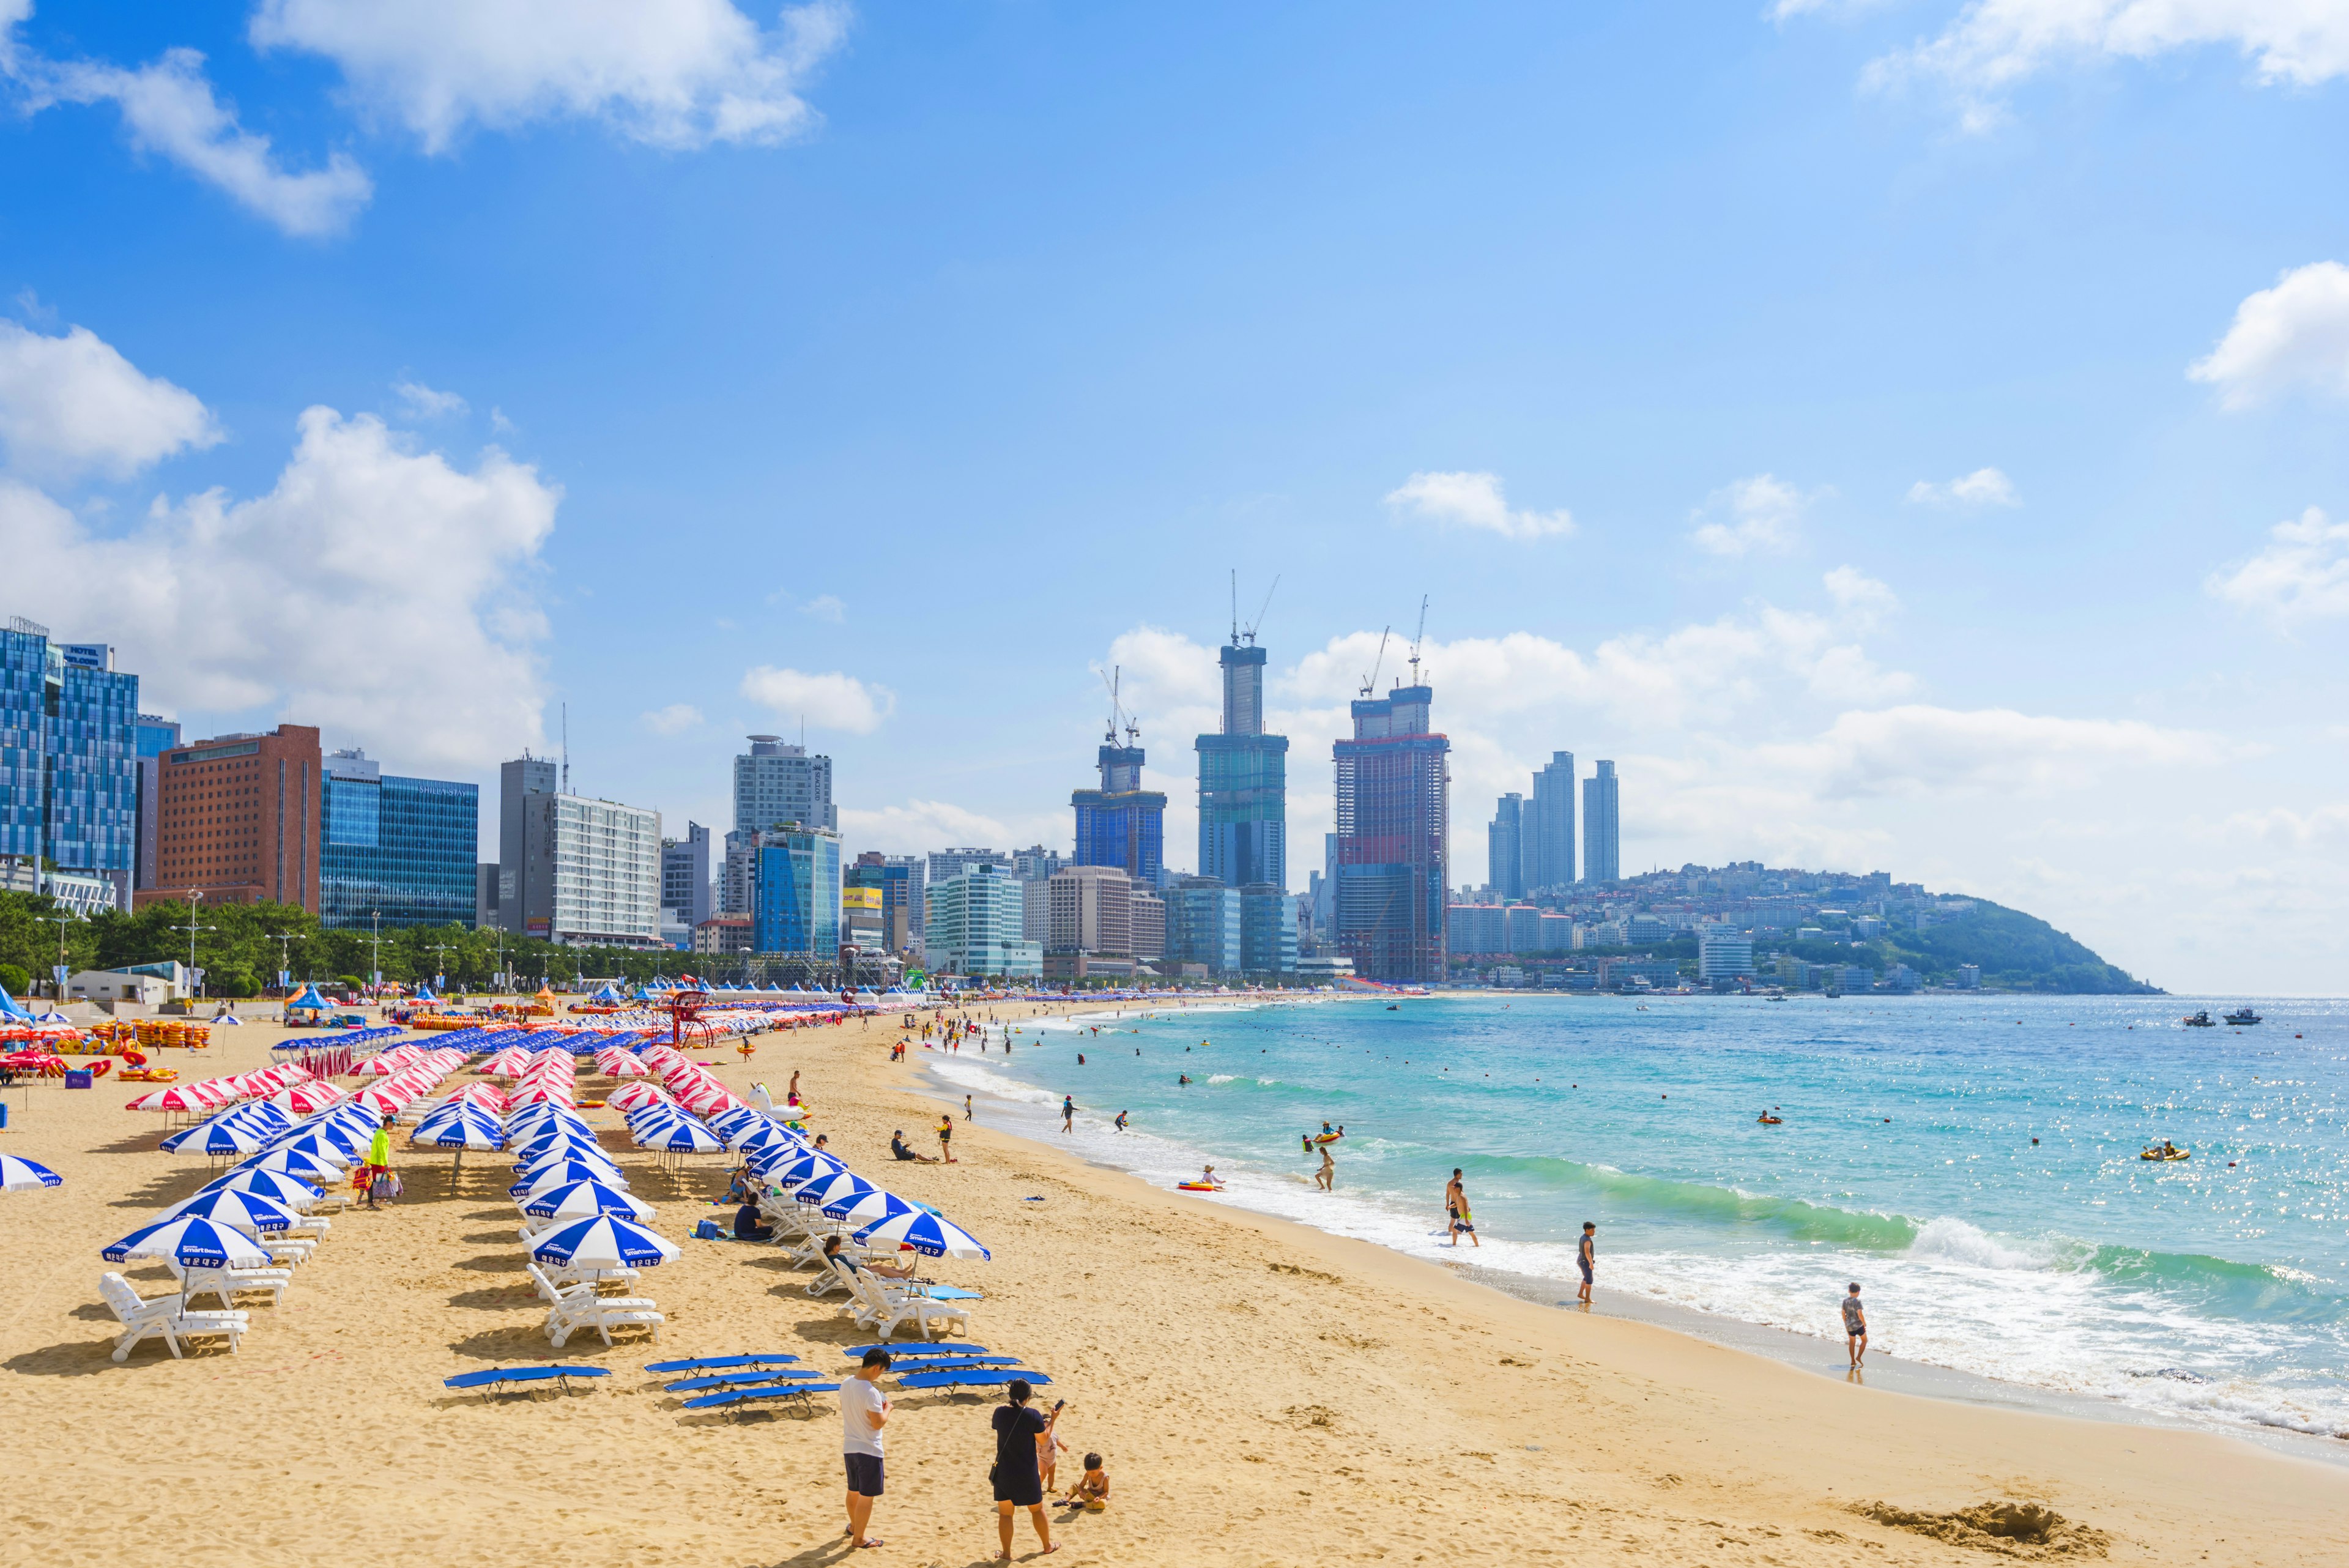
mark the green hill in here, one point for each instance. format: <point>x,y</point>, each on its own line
<point>2016,953</point>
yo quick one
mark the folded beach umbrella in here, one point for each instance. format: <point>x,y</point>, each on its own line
<point>248,1211</point>
<point>829,1189</point>
<point>581,1199</point>
<point>23,1175</point>
<point>924,1232</point>
<point>290,1190</point>
<point>604,1242</point>
<point>685,1137</point>
<point>191,1241</point>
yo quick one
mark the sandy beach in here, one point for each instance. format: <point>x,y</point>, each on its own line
<point>1264,1394</point>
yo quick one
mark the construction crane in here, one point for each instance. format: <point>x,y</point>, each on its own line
<point>1370,681</point>
<point>1248,633</point>
<point>1117,714</point>
<point>1417,637</point>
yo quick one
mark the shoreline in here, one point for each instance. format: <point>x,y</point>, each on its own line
<point>1813,1353</point>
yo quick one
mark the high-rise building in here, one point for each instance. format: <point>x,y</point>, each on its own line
<point>572,869</point>
<point>68,760</point>
<point>1267,931</point>
<point>1121,823</point>
<point>237,819</point>
<point>796,904</point>
<point>1090,910</point>
<point>685,875</point>
<point>1602,836</point>
<point>973,924</point>
<point>1548,835</point>
<point>898,879</point>
<point>1243,779</point>
<point>1204,921</point>
<point>945,865</point>
<point>778,783</point>
<point>1147,913</point>
<point>152,736</point>
<point>518,780</point>
<point>1504,849</point>
<point>1036,865</point>
<point>395,851</point>
<point>1723,953</point>
<point>1393,812</point>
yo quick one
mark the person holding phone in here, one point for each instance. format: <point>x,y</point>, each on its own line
<point>1018,1483</point>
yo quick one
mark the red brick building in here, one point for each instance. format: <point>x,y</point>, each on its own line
<point>238,819</point>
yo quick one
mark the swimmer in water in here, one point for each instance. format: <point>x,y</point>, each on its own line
<point>1184,1079</point>
<point>1121,1121</point>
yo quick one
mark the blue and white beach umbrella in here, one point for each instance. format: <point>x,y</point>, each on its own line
<point>604,1243</point>
<point>221,1135</point>
<point>578,1199</point>
<point>320,1147</point>
<point>21,1175</point>
<point>298,1162</point>
<point>791,1173</point>
<point>191,1241</point>
<point>248,1211</point>
<point>829,1189</point>
<point>766,1135</point>
<point>528,1124</point>
<point>290,1190</point>
<point>858,1210</point>
<point>562,1173</point>
<point>687,1136</point>
<point>924,1232</point>
<point>735,1120</point>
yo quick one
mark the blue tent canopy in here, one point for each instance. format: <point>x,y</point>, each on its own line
<point>10,1011</point>
<point>309,1000</point>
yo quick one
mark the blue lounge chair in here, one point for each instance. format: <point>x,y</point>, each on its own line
<point>919,1348</point>
<point>974,1378</point>
<point>714,1363</point>
<point>498,1379</point>
<point>955,1364</point>
<point>733,1379</point>
<point>735,1399</point>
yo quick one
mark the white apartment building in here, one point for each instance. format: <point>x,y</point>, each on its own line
<point>1723,953</point>
<point>607,863</point>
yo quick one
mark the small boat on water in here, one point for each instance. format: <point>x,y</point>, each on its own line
<point>2241,1016</point>
<point>2198,1019</point>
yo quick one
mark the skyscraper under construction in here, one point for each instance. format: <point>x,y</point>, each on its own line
<point>1394,838</point>
<point>1121,823</point>
<point>1243,779</point>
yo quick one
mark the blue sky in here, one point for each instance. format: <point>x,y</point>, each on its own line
<point>1889,432</point>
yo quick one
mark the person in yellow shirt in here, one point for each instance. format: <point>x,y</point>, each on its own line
<point>378,1160</point>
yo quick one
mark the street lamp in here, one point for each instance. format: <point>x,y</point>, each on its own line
<point>195,898</point>
<point>375,962</point>
<point>442,965</point>
<point>284,952</point>
<point>61,917</point>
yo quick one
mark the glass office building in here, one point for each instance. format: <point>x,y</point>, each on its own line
<point>69,756</point>
<point>795,906</point>
<point>399,849</point>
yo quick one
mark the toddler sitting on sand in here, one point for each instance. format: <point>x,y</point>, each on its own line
<point>1092,1490</point>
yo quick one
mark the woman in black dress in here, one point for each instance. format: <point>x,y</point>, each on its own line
<point>1018,1483</point>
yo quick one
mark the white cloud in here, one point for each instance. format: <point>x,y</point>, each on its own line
<point>1993,44</point>
<point>831,700</point>
<point>1859,596</point>
<point>1983,487</point>
<point>1473,501</point>
<point>169,109</point>
<point>424,403</point>
<point>1923,750</point>
<point>672,73</point>
<point>74,404</point>
<point>2292,336</point>
<point>2304,574</point>
<point>825,606</point>
<point>674,720</point>
<point>920,825</point>
<point>1752,515</point>
<point>379,593</point>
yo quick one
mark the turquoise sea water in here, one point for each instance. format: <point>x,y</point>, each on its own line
<point>2211,1291</point>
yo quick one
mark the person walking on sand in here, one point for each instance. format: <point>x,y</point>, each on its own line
<point>378,1164</point>
<point>1456,1205</point>
<point>1326,1178</point>
<point>1586,1258</point>
<point>863,1411</point>
<point>965,1107</point>
<point>1017,1484</point>
<point>1068,1112</point>
<point>1855,1326</point>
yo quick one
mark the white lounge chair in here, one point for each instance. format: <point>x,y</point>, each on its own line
<point>163,1318</point>
<point>555,1293</point>
<point>228,1284</point>
<point>877,1307</point>
<point>602,1314</point>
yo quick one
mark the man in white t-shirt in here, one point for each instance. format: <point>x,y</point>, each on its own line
<point>863,1411</point>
